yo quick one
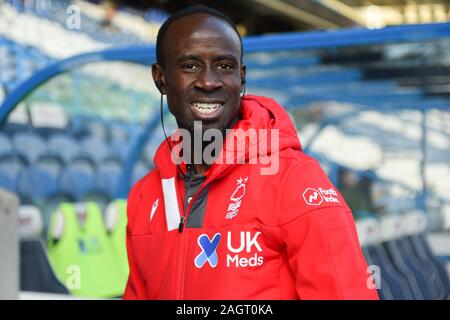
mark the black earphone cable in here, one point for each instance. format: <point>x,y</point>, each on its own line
<point>167,139</point>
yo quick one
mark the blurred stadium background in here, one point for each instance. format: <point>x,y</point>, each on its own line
<point>366,82</point>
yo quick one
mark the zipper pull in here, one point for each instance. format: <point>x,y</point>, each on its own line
<point>181,225</point>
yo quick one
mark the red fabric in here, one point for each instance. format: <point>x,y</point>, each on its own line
<point>293,236</point>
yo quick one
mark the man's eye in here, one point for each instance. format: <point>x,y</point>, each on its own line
<point>189,66</point>
<point>225,66</point>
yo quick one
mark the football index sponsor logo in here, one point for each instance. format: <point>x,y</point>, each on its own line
<point>241,254</point>
<point>315,197</point>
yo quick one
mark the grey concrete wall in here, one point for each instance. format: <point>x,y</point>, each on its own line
<point>9,246</point>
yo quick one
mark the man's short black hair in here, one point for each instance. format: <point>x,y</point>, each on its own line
<point>186,12</point>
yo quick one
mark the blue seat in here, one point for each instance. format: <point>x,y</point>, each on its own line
<point>154,142</point>
<point>118,132</point>
<point>84,163</point>
<point>385,292</point>
<point>96,149</point>
<point>119,150</point>
<point>12,164</point>
<point>35,271</point>
<point>36,274</point>
<point>76,182</point>
<point>96,129</point>
<point>427,277</point>
<point>107,178</point>
<point>63,145</point>
<point>6,182</point>
<point>30,145</point>
<point>34,183</point>
<point>397,285</point>
<point>12,128</point>
<point>86,126</point>
<point>5,145</point>
<point>432,283</point>
<point>422,249</point>
<point>403,265</point>
<point>139,171</point>
<point>52,164</point>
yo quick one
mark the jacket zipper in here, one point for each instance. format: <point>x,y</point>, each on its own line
<point>182,246</point>
<point>180,262</point>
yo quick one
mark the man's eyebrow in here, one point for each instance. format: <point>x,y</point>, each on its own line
<point>226,57</point>
<point>189,57</point>
<point>194,57</point>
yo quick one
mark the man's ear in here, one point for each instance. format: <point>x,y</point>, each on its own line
<point>243,76</point>
<point>158,77</point>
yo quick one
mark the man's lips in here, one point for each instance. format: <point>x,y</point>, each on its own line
<point>207,110</point>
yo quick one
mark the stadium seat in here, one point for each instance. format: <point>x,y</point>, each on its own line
<point>107,178</point>
<point>416,223</point>
<point>119,150</point>
<point>5,145</point>
<point>139,171</point>
<point>392,285</point>
<point>35,271</point>
<point>34,183</point>
<point>426,277</point>
<point>118,132</point>
<point>76,182</point>
<point>77,237</point>
<point>64,146</point>
<point>392,229</point>
<point>30,145</point>
<point>422,248</point>
<point>6,182</point>
<point>97,149</point>
<point>116,223</point>
<point>97,129</point>
<point>48,206</point>
<point>52,164</point>
<point>84,163</point>
<point>11,165</point>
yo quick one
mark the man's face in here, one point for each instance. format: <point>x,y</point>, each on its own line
<point>202,72</point>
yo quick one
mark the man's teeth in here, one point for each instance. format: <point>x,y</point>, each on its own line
<point>206,107</point>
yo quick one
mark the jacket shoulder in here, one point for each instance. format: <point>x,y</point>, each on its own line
<point>137,192</point>
<point>306,187</point>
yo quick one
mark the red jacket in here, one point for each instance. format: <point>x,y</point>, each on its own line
<point>288,235</point>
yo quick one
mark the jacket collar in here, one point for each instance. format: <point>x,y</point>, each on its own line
<point>255,112</point>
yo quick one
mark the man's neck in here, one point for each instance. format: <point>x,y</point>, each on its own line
<point>201,168</point>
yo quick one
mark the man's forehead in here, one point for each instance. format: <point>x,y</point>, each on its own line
<point>199,27</point>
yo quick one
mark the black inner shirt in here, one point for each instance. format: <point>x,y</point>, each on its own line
<point>192,184</point>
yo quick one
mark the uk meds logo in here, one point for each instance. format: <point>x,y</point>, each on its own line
<point>248,253</point>
<point>209,250</point>
<point>244,250</point>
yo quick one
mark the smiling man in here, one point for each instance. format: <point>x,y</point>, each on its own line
<point>222,229</point>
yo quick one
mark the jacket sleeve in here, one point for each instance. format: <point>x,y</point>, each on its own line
<point>320,237</point>
<point>135,288</point>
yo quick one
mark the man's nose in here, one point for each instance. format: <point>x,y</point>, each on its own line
<point>209,80</point>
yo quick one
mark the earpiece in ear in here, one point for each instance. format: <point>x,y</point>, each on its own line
<point>243,82</point>
<point>159,85</point>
